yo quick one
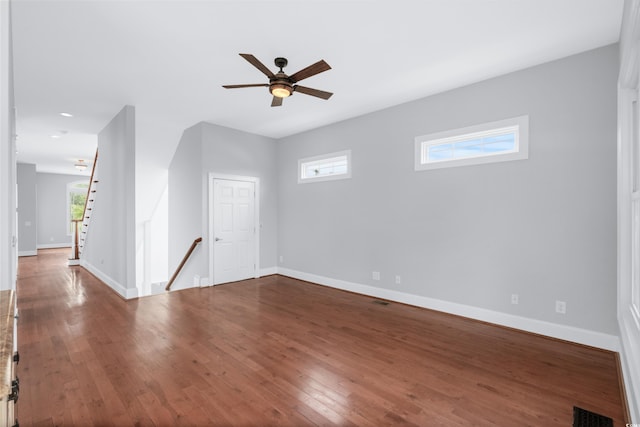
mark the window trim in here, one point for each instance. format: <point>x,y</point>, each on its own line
<point>454,135</point>
<point>306,160</point>
<point>72,188</point>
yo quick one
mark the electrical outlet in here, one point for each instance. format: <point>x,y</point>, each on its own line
<point>561,307</point>
<point>281,259</point>
<point>514,299</point>
<point>398,279</point>
<point>375,275</point>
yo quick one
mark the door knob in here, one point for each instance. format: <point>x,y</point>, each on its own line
<point>217,239</point>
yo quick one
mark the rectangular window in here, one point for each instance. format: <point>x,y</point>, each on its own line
<point>325,167</point>
<point>76,197</point>
<point>486,143</point>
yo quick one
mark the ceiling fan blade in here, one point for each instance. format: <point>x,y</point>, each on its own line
<point>259,65</point>
<point>276,102</point>
<point>311,70</point>
<point>249,85</point>
<point>313,92</point>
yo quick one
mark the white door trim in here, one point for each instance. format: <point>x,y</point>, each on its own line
<point>628,319</point>
<point>256,182</point>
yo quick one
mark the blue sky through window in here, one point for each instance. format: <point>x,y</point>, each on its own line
<point>474,146</point>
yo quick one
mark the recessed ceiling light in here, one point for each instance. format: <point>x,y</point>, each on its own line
<point>56,136</point>
<point>66,114</point>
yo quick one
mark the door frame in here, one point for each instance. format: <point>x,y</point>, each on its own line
<point>256,218</point>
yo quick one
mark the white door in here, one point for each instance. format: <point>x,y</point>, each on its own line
<point>233,230</point>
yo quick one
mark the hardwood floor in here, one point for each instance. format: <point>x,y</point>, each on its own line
<point>281,352</point>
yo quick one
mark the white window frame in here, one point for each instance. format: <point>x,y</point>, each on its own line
<point>302,163</point>
<point>518,124</point>
<point>72,188</point>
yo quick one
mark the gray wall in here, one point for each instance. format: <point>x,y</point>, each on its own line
<point>52,209</point>
<point>543,228</point>
<point>110,246</point>
<point>207,148</point>
<point>231,152</point>
<point>27,210</point>
<point>185,207</point>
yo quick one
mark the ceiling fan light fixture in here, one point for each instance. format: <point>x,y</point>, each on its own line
<point>280,90</point>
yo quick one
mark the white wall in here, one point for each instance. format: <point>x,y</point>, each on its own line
<point>110,248</point>
<point>151,205</point>
<point>157,269</point>
<point>53,222</point>
<point>464,239</point>
<point>8,231</point>
<point>231,152</point>
<point>27,210</point>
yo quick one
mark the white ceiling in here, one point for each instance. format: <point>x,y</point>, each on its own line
<point>170,58</point>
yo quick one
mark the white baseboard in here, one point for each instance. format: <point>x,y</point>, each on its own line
<point>158,287</point>
<point>148,289</point>
<point>630,349</point>
<point>28,253</point>
<point>563,332</point>
<point>179,286</point>
<point>268,271</point>
<point>53,245</point>
<point>204,282</point>
<point>126,293</point>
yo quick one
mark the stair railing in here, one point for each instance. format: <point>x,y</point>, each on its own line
<point>184,261</point>
<point>85,216</point>
<point>93,171</point>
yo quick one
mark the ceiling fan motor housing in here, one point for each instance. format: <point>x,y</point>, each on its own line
<point>280,85</point>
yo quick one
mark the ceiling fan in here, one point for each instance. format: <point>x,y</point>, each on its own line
<point>280,85</point>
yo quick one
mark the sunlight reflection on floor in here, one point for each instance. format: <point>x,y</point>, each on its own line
<point>76,291</point>
<point>317,393</point>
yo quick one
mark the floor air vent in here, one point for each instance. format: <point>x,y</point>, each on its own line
<point>584,418</point>
<point>377,301</point>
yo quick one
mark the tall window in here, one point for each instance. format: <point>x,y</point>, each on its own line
<point>76,197</point>
<point>485,143</point>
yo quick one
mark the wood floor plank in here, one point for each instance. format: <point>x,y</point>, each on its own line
<point>281,352</point>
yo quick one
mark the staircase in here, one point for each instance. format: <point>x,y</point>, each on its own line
<point>88,204</point>
<point>82,226</point>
